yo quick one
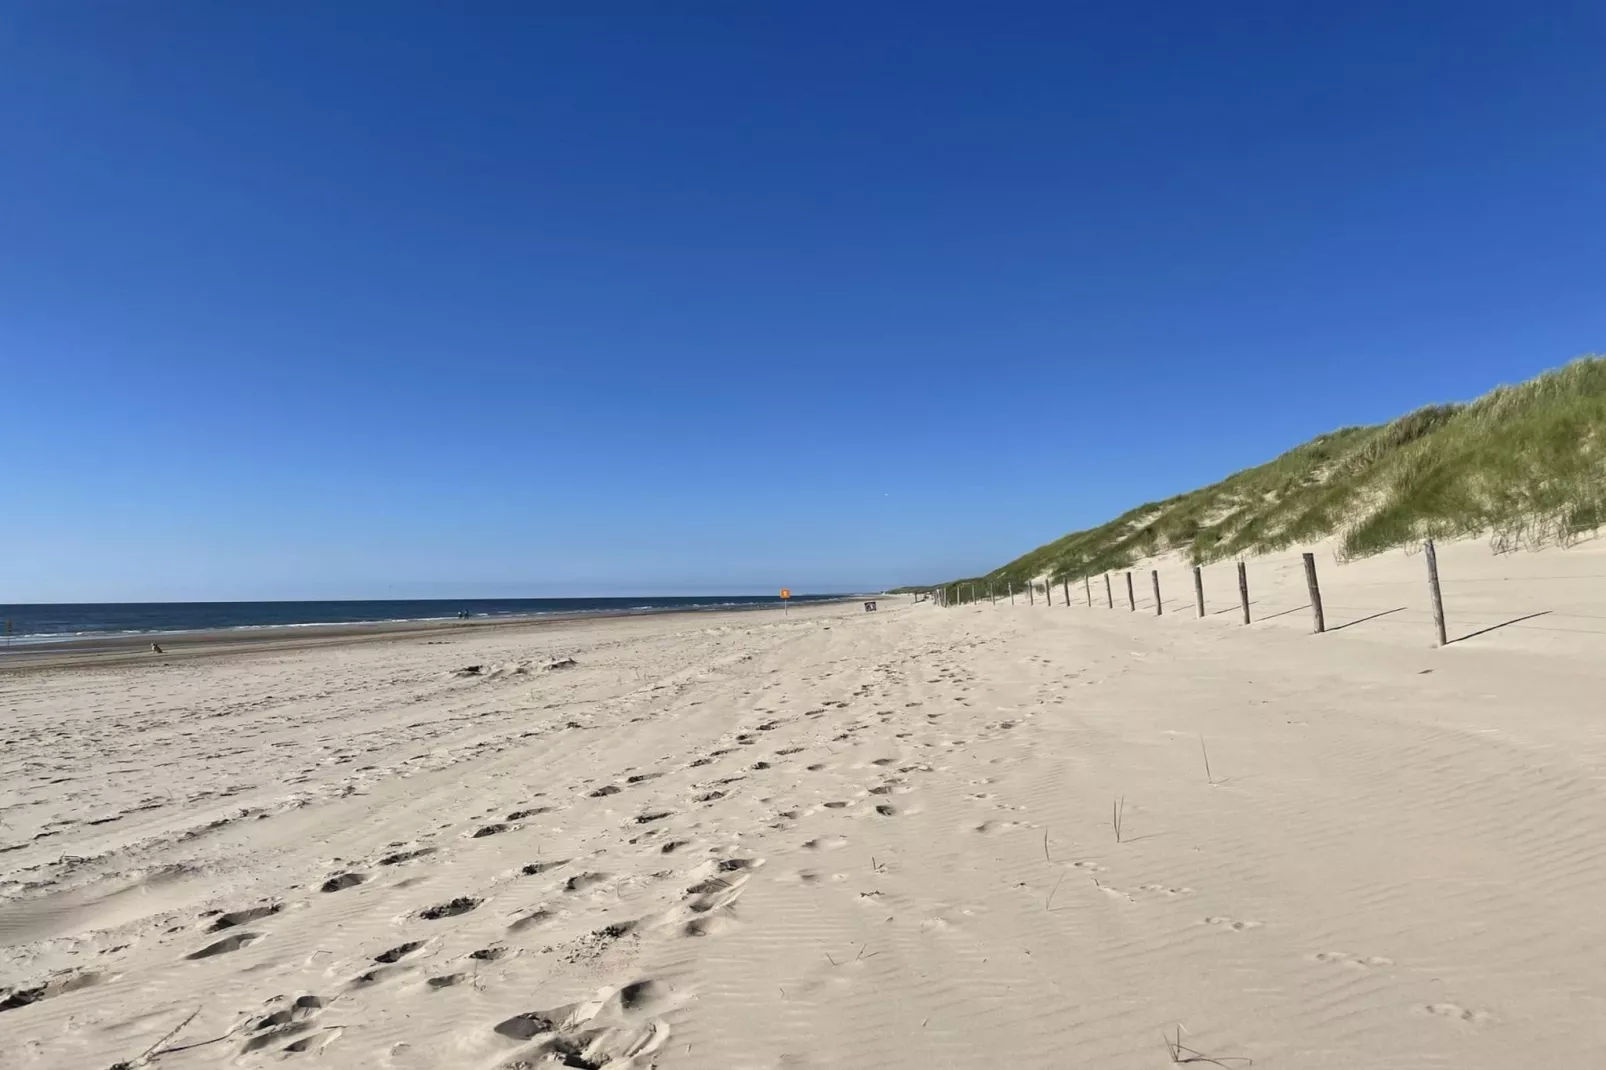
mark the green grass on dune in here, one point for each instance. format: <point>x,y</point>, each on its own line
<point>1523,464</point>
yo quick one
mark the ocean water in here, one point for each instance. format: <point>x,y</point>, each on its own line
<point>88,621</point>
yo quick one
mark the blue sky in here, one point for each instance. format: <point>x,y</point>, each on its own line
<point>385,300</point>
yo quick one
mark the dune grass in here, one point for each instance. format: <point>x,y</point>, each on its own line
<point>1522,464</point>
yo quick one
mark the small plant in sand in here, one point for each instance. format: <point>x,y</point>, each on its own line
<point>1181,1054</point>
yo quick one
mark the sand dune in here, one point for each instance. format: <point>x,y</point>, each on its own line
<point>838,839</point>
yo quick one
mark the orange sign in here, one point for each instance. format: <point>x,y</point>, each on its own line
<point>785,593</point>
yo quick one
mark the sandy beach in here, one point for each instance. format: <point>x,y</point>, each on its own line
<point>836,839</point>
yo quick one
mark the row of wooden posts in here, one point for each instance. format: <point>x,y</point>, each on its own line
<point>1311,584</point>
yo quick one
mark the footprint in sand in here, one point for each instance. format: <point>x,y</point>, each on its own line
<point>239,917</point>
<point>536,868</point>
<point>399,952</point>
<point>581,881</point>
<point>564,1036</point>
<point>225,945</point>
<point>451,909</point>
<point>376,975</point>
<point>316,1042</point>
<point>1232,923</point>
<point>539,916</point>
<point>342,881</point>
<point>1459,1013</point>
<point>987,828</point>
<point>58,984</point>
<point>290,1020</point>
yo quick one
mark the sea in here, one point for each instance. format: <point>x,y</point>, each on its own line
<point>25,625</point>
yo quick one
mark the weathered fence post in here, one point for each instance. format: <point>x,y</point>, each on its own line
<point>1315,593</point>
<point>1048,592</point>
<point>1433,588</point>
<point>1131,602</point>
<point>1065,586</point>
<point>1087,586</point>
<point>1154,574</point>
<point>1031,593</point>
<point>1011,592</point>
<point>1243,589</point>
<point>1198,589</point>
<point>992,599</point>
<point>1108,597</point>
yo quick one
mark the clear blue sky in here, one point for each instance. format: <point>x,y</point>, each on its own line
<point>387,299</point>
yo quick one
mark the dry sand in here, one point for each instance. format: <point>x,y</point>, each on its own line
<point>835,840</point>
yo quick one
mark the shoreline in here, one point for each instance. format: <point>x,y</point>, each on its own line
<point>134,648</point>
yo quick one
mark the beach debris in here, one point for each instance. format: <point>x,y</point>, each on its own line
<point>469,670</point>
<point>560,663</point>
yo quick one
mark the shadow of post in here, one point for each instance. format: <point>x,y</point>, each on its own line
<point>1502,624</point>
<point>1363,620</point>
<point>1284,613</point>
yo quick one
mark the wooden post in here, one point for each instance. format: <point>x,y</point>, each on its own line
<point>1065,586</point>
<point>992,599</point>
<point>1155,575</point>
<point>1031,593</point>
<point>1315,593</point>
<point>1131,602</point>
<point>1243,589</point>
<point>1198,589</point>
<point>1011,592</point>
<point>1433,589</point>
<point>1108,597</point>
<point>1048,592</point>
<point>1088,587</point>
